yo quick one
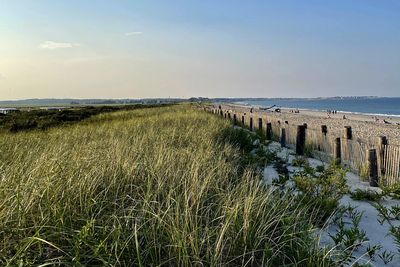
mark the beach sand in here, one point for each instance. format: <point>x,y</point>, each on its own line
<point>365,127</point>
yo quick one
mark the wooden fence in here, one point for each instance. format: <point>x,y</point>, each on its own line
<point>374,160</point>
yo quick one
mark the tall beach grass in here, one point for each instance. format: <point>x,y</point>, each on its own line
<point>151,187</point>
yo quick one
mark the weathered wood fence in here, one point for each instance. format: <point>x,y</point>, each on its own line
<point>374,160</point>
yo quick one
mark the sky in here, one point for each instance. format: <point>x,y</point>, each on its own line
<point>209,48</point>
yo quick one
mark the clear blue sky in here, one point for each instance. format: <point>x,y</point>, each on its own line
<point>135,49</point>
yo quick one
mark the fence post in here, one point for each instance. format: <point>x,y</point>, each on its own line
<point>251,123</point>
<point>269,131</point>
<point>243,120</point>
<point>260,124</point>
<point>234,119</point>
<point>283,137</point>
<point>221,113</point>
<point>300,139</point>
<point>347,133</point>
<point>338,151</point>
<point>372,167</point>
<point>324,130</point>
<point>229,115</point>
<point>347,136</point>
<point>382,142</point>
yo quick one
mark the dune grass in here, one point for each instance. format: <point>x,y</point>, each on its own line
<point>160,186</point>
<point>38,119</point>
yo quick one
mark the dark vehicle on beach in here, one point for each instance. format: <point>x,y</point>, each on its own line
<point>267,108</point>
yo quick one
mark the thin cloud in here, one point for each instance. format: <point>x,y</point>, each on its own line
<point>132,33</point>
<point>50,45</point>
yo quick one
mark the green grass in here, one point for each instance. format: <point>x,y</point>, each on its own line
<point>366,195</point>
<point>149,187</point>
<point>322,190</point>
<point>26,120</point>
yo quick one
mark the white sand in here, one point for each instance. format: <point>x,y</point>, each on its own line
<point>364,126</point>
<point>376,233</point>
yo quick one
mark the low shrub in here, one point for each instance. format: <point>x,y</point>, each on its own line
<point>300,161</point>
<point>392,191</point>
<point>45,119</point>
<point>323,190</point>
<point>367,195</point>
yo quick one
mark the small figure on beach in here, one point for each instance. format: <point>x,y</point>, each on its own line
<point>344,117</point>
<point>251,110</point>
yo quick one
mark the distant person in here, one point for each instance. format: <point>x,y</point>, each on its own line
<point>344,117</point>
<point>219,107</point>
<point>251,110</point>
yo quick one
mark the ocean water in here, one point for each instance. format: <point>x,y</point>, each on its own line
<point>371,106</point>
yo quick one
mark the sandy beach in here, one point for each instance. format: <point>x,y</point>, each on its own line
<point>365,127</point>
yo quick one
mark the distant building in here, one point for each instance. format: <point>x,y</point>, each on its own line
<point>8,110</point>
<point>54,108</point>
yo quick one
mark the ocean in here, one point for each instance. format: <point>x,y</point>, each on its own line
<point>388,106</point>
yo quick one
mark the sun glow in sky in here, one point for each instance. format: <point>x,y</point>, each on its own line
<point>184,48</point>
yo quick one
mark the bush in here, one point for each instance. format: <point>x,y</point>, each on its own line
<point>238,137</point>
<point>367,195</point>
<point>23,126</point>
<point>322,191</point>
<point>45,119</point>
<point>393,191</point>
